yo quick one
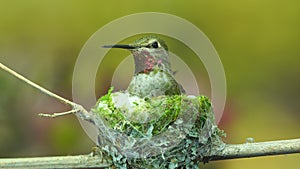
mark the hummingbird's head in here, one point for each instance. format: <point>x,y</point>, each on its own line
<point>149,53</point>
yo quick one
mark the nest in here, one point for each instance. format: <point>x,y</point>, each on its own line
<point>177,131</point>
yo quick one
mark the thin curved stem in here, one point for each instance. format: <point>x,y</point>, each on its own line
<point>43,90</point>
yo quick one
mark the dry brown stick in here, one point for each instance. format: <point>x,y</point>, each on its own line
<point>75,107</point>
<point>43,90</point>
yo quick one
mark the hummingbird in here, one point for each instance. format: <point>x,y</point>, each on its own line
<point>154,118</point>
<point>153,75</point>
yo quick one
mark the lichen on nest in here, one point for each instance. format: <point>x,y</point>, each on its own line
<point>162,132</point>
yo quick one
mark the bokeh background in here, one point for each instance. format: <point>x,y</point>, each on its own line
<point>258,43</point>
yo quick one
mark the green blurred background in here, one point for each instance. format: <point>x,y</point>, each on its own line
<point>258,43</point>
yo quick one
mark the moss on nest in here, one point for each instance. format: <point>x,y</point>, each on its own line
<point>161,132</point>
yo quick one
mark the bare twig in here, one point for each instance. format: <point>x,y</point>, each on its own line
<point>43,90</point>
<point>57,114</point>
<point>75,107</point>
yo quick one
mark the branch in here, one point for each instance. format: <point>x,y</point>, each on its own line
<point>77,161</point>
<point>231,151</point>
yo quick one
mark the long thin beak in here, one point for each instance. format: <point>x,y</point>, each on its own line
<point>119,46</point>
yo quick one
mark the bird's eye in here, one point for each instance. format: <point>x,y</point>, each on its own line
<point>154,45</point>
